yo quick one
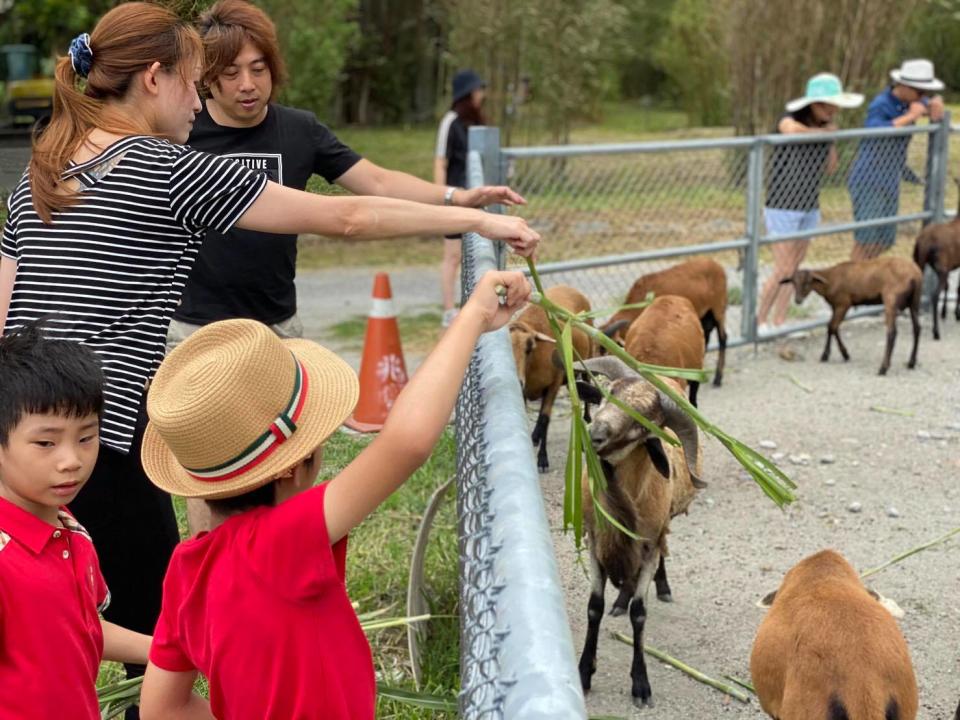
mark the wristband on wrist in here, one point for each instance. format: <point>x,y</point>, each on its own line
<point>448,195</point>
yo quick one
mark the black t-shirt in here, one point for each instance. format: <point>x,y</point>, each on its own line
<point>247,274</point>
<point>457,154</point>
<point>796,171</point>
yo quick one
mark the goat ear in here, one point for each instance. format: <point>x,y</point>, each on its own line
<point>588,393</point>
<point>767,600</point>
<point>615,327</point>
<point>817,277</point>
<point>657,456</point>
<point>787,281</point>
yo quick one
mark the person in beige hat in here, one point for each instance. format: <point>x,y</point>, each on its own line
<point>238,416</point>
<point>874,180</point>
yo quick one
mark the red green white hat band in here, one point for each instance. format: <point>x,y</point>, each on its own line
<point>264,446</point>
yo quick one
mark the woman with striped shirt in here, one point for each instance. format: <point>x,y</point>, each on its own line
<point>102,232</point>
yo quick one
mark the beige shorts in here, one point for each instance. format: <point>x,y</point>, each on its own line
<point>180,331</point>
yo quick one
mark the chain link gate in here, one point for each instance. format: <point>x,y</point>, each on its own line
<point>608,214</point>
<point>516,651</point>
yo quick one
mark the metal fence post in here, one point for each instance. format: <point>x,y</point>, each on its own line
<point>748,294</point>
<point>938,146</point>
<point>486,141</point>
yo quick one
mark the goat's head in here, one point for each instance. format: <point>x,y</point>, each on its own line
<point>615,434</point>
<point>524,340</point>
<point>803,282</point>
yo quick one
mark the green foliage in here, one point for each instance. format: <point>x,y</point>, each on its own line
<point>693,54</point>
<point>49,24</point>
<point>934,32</point>
<point>315,38</point>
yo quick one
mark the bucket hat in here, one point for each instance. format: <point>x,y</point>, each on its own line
<point>825,88</point>
<point>465,82</point>
<point>235,406</point>
<point>917,74</point>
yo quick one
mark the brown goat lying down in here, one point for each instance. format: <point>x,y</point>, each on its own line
<point>703,282</point>
<point>894,282</point>
<point>533,347</point>
<point>668,333</point>
<point>939,247</point>
<point>827,650</point>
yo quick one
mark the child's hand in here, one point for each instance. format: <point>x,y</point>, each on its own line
<point>486,300</point>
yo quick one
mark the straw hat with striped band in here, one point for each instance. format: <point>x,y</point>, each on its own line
<point>235,406</point>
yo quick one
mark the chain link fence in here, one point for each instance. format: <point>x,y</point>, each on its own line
<point>517,657</point>
<point>760,206</point>
<point>610,213</point>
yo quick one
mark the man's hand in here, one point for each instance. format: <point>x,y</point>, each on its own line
<point>935,108</point>
<point>487,195</point>
<point>917,110</point>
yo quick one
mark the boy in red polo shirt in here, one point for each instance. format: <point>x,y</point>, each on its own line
<point>51,635</point>
<point>258,605</point>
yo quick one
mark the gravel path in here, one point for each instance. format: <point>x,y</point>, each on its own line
<point>735,545</point>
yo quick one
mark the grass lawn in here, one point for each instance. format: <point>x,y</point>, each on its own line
<point>377,565</point>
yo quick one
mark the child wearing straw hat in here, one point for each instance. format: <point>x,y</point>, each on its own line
<point>52,637</point>
<point>238,416</point>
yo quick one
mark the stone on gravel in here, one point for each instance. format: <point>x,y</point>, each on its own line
<point>777,456</point>
<point>827,459</point>
<point>768,445</point>
<point>923,434</point>
<point>830,481</point>
<point>892,512</point>
<point>854,507</point>
<point>800,459</point>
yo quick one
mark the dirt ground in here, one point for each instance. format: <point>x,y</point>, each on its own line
<point>735,545</point>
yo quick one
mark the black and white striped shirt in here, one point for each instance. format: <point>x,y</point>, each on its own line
<point>109,270</point>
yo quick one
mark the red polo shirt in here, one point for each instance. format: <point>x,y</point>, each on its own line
<point>51,641</point>
<point>259,607</point>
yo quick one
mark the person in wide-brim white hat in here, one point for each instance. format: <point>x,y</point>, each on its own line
<point>917,74</point>
<point>874,179</point>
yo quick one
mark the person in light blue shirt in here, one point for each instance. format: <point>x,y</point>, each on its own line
<point>874,181</point>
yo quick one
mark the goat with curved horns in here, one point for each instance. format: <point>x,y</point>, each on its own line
<point>648,483</point>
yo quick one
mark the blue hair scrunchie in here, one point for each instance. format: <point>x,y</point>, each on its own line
<point>81,56</point>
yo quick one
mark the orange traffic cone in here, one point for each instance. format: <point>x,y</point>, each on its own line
<point>382,370</point>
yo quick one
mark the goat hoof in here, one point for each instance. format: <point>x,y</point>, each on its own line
<point>911,365</point>
<point>640,702</point>
<point>883,371</point>
<point>717,381</point>
<point>665,597</point>
<point>617,611</point>
<point>824,358</point>
<point>544,468</point>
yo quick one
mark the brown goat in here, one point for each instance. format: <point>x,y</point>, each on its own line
<point>703,282</point>
<point>669,333</point>
<point>894,282</point>
<point>938,246</point>
<point>533,346</point>
<point>647,484</point>
<point>827,650</point>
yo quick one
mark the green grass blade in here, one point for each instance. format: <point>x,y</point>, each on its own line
<point>597,478</point>
<point>421,700</point>
<point>393,622</point>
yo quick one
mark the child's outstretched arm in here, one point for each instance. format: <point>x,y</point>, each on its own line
<point>169,696</point>
<point>123,645</point>
<point>422,409</point>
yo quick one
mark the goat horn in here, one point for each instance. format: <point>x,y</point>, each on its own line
<point>613,367</point>
<point>611,329</point>
<point>542,337</point>
<point>683,425</point>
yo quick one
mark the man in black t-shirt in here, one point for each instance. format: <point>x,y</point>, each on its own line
<point>243,70</point>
